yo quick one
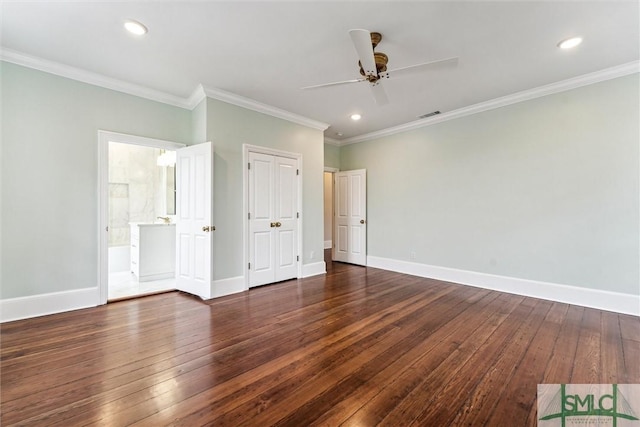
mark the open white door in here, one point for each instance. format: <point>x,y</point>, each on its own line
<point>350,221</point>
<point>194,215</point>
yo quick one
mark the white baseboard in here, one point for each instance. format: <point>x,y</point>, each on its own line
<point>328,244</point>
<point>314,269</point>
<point>58,302</point>
<point>51,303</point>
<point>585,297</point>
<point>232,285</point>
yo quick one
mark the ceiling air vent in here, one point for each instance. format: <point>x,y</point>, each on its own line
<point>424,116</point>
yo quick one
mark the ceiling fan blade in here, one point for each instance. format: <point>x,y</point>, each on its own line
<point>334,83</point>
<point>379,94</point>
<point>362,42</point>
<point>420,67</point>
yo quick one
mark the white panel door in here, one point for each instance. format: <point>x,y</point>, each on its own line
<point>261,219</point>
<point>194,214</point>
<point>350,220</point>
<point>286,230</point>
<point>273,219</point>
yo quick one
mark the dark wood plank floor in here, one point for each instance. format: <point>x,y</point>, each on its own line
<point>357,347</point>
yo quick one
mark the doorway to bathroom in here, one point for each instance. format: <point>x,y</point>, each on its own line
<point>138,195</point>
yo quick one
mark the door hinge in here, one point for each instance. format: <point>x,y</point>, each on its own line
<point>298,258</point>
<point>297,171</point>
<point>297,214</point>
<point>249,215</point>
<point>106,228</point>
<point>249,166</point>
<point>249,266</point>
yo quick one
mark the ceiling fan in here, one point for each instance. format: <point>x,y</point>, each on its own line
<point>373,65</point>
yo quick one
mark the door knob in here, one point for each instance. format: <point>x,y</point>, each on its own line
<point>362,221</point>
<point>278,224</point>
<point>273,224</point>
<point>207,228</point>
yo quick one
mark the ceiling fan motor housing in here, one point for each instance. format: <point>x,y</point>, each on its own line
<point>381,65</point>
<point>375,39</point>
<point>365,42</point>
<point>380,58</point>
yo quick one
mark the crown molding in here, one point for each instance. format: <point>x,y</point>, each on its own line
<point>89,77</point>
<point>190,103</point>
<point>196,97</point>
<point>332,141</point>
<point>202,92</point>
<point>250,104</point>
<point>526,95</point>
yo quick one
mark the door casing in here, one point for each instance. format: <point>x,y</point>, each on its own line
<point>333,172</point>
<point>104,137</point>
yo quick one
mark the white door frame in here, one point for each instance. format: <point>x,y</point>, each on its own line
<point>333,172</point>
<point>104,137</point>
<point>246,149</point>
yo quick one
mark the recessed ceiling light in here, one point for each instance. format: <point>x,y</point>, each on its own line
<point>134,27</point>
<point>356,117</point>
<point>569,43</point>
<point>339,134</point>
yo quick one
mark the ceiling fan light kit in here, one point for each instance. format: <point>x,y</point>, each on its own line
<point>373,65</point>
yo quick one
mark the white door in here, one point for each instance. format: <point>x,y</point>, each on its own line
<point>350,221</point>
<point>273,218</point>
<point>194,214</point>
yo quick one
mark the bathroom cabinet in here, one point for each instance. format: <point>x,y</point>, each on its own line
<point>153,251</point>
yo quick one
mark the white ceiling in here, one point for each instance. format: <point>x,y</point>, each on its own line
<point>268,50</point>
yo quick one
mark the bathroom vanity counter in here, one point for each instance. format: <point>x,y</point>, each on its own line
<point>153,251</point>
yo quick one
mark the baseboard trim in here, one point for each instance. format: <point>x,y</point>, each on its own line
<point>328,244</point>
<point>44,304</point>
<point>585,297</point>
<point>58,302</point>
<point>223,287</point>
<point>314,269</point>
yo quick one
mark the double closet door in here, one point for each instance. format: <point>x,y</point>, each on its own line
<point>273,218</point>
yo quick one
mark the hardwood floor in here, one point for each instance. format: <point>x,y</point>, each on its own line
<point>357,347</point>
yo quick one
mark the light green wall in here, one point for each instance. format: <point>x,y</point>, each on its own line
<point>229,127</point>
<point>331,156</point>
<point>49,174</point>
<point>199,122</point>
<point>545,190</point>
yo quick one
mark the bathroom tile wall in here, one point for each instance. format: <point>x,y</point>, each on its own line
<point>135,180</point>
<point>118,214</point>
